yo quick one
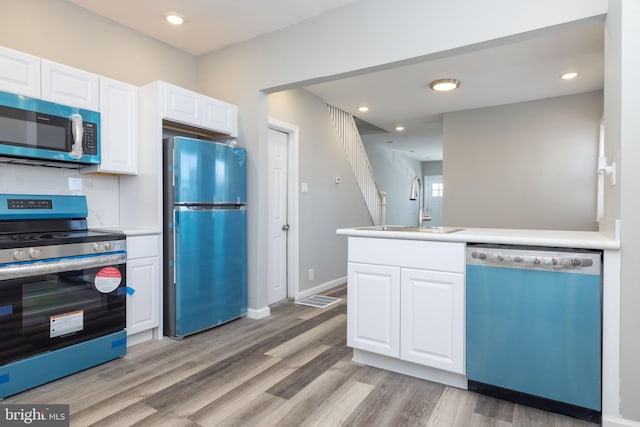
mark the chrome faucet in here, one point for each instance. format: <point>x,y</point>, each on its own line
<point>416,192</point>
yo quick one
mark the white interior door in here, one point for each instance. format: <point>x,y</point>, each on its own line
<point>278,154</point>
<point>435,192</point>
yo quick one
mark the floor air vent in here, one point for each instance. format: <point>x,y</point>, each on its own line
<point>318,301</point>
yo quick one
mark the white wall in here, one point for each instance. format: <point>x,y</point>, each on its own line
<point>101,191</point>
<point>327,205</point>
<point>525,165</point>
<point>394,172</point>
<point>622,134</point>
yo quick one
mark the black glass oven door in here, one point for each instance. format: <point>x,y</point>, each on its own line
<point>51,311</point>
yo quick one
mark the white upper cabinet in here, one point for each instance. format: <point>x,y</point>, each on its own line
<point>118,128</point>
<point>194,109</point>
<point>70,86</point>
<point>220,116</point>
<point>19,73</point>
<point>182,105</point>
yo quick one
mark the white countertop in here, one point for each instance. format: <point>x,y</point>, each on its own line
<point>554,238</point>
<point>129,231</point>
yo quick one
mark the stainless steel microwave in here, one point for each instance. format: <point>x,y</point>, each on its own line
<point>34,131</point>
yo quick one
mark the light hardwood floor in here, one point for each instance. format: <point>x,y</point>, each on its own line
<point>291,369</point>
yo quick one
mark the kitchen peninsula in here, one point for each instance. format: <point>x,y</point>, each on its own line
<point>409,294</point>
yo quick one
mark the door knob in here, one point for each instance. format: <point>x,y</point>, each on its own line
<point>285,227</point>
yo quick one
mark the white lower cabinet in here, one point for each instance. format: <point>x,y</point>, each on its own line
<point>397,310</point>
<point>373,317</point>
<point>432,319</point>
<point>143,277</point>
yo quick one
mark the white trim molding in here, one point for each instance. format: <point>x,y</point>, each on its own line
<point>618,422</point>
<point>259,313</point>
<point>321,288</point>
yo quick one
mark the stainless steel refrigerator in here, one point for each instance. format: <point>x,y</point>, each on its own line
<point>205,237</point>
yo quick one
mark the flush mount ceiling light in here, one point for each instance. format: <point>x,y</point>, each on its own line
<point>444,85</point>
<point>569,76</point>
<point>363,109</point>
<point>399,128</point>
<point>174,19</point>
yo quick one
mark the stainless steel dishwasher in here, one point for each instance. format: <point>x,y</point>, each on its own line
<point>534,327</point>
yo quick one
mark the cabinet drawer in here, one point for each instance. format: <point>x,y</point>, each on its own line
<point>142,246</point>
<point>426,255</point>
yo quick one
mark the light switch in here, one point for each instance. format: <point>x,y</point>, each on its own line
<point>304,187</point>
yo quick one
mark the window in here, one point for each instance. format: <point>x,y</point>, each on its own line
<point>437,189</point>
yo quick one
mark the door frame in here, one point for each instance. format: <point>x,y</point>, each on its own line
<point>293,235</point>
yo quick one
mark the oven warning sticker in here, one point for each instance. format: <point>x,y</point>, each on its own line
<point>67,323</point>
<point>108,279</point>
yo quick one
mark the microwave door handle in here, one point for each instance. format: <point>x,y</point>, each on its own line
<point>77,131</point>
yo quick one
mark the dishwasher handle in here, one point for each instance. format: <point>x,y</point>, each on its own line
<point>528,260</point>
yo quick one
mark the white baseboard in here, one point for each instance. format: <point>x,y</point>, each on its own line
<point>140,337</point>
<point>258,313</point>
<point>321,288</point>
<point>408,368</point>
<point>608,421</point>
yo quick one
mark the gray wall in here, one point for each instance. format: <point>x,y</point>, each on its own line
<point>525,165</point>
<point>309,52</point>
<point>394,172</point>
<point>327,206</point>
<point>63,32</point>
<point>432,167</point>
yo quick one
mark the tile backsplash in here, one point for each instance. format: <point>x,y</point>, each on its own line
<point>102,191</point>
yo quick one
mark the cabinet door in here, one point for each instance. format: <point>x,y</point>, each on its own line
<point>220,116</point>
<point>143,306</point>
<point>19,73</point>
<point>432,319</point>
<point>373,310</point>
<point>119,128</point>
<point>70,86</point>
<point>182,105</point>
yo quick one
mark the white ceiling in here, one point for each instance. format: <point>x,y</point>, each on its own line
<point>523,70</point>
<point>208,24</point>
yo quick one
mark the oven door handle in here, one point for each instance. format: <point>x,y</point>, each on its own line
<point>61,265</point>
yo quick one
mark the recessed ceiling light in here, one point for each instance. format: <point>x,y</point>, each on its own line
<point>444,85</point>
<point>569,76</point>
<point>399,128</point>
<point>174,19</point>
<point>363,109</point>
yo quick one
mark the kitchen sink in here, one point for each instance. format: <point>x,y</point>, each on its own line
<point>436,230</point>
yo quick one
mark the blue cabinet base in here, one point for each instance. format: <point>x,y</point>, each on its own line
<point>37,370</point>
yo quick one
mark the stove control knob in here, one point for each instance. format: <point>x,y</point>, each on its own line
<point>98,247</point>
<point>19,254</point>
<point>35,253</point>
<point>108,246</point>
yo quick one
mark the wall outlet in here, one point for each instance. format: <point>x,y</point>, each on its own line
<point>311,275</point>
